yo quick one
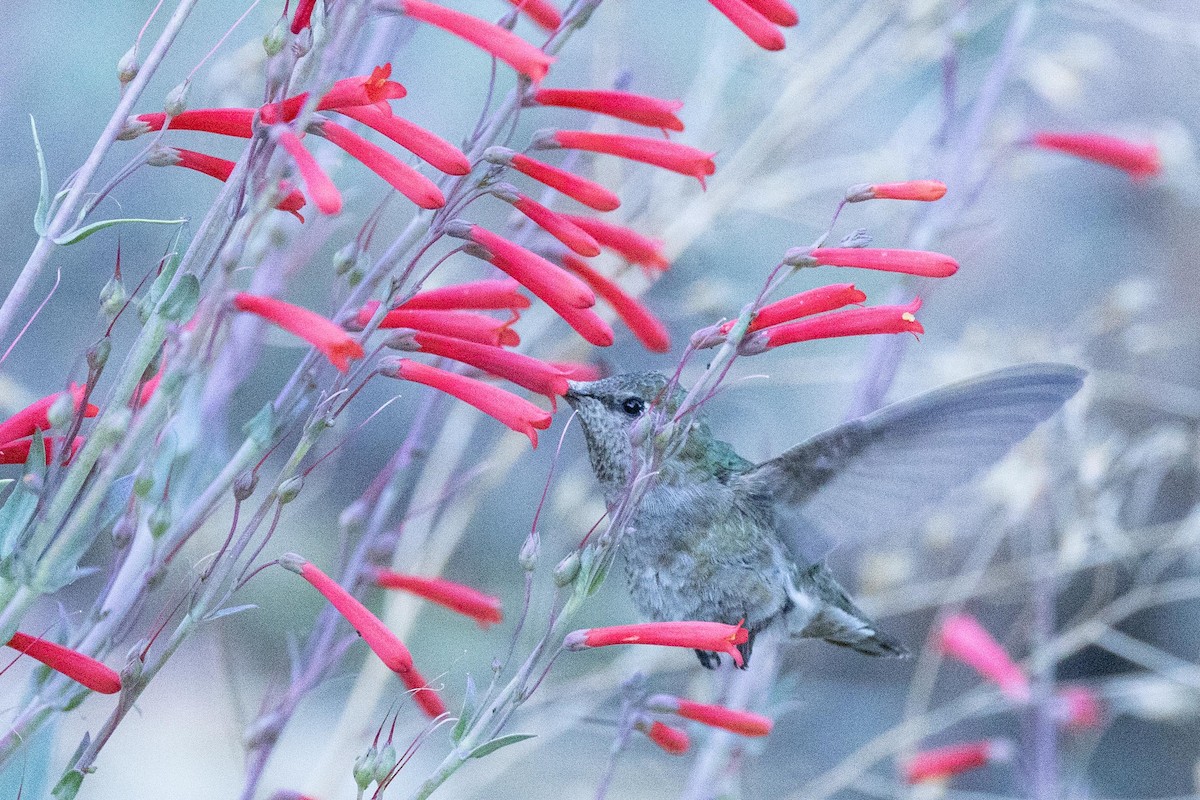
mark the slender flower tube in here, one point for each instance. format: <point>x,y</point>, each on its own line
<point>944,762</point>
<point>221,169</point>
<point>35,416</point>
<point>483,608</point>
<point>427,697</point>
<point>17,451</point>
<point>752,23</point>
<point>711,636</point>
<point>428,147</point>
<point>629,244</point>
<point>662,153</point>
<point>390,650</point>
<point>590,193</point>
<point>516,412</point>
<point>778,11</point>
<point>804,304</point>
<point>645,326</point>
<point>746,723</point>
<point>485,295</point>
<point>459,324</point>
<point>671,740</point>
<point>962,637</point>
<point>320,187</point>
<point>75,665</point>
<point>637,108</point>
<point>540,11</point>
<point>525,371</point>
<point>923,191</point>
<point>579,372</point>
<point>910,262</point>
<point>303,17</point>
<point>557,225</point>
<point>333,342</point>
<point>403,178</point>
<point>359,90</point>
<point>1140,161</point>
<point>855,322</point>
<point>502,44</point>
<point>225,121</point>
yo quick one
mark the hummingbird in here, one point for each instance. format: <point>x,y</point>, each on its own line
<point>720,538</point>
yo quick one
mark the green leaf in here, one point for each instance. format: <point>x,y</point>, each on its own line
<point>467,713</point>
<point>487,748</point>
<point>228,612</point>
<point>182,300</point>
<point>79,234</point>
<point>68,786</point>
<point>43,206</point>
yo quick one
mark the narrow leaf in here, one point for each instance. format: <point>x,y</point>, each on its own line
<point>79,234</point>
<point>43,206</point>
<point>487,748</point>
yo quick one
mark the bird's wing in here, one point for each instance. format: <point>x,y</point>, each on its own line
<point>870,473</point>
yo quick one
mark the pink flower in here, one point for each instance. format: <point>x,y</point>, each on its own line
<point>485,295</point>
<point>814,301</point>
<point>962,637</point>
<point>1080,708</point>
<point>390,650</point>
<point>778,11</point>
<point>924,191</point>
<point>540,11</point>
<point>751,22</point>
<point>333,342</point>
<point>660,152</point>
<point>358,90</point>
<point>428,147</point>
<point>855,322</point>
<point>745,723</point>
<point>557,225</point>
<point>303,16</point>
<point>403,178</point>
<point>1141,161</point>
<point>221,169</point>
<point>517,413</point>
<point>225,121</point>
<point>427,698</point>
<point>525,371</point>
<point>483,608</point>
<point>629,244</point>
<point>589,193</point>
<point>75,665</point>
<point>579,372</point>
<point>34,417</point>
<point>910,262</point>
<point>502,44</point>
<point>640,109</point>
<point>671,740</point>
<point>943,762</point>
<point>645,326</point>
<point>320,187</point>
<point>710,636</point>
<point>461,325</point>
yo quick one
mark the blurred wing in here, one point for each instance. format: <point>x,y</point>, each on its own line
<point>859,477</point>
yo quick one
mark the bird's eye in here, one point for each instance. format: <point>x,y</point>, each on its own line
<point>632,406</point>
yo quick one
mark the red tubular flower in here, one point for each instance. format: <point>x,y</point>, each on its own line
<point>590,193</point>
<point>333,342</point>
<point>630,244</point>
<point>1140,161</point>
<point>669,155</point>
<point>486,295</point>
<point>221,169</point>
<point>225,121</point>
<point>778,11</point>
<point>711,636</point>
<point>645,326</point>
<point>428,147</point>
<point>17,451</point>
<point>403,178</point>
<point>575,371</point>
<point>587,324</point>
<point>752,23</point>
<point>461,325</point>
<point>943,762</point>
<point>76,666</point>
<point>525,371</point>
<point>804,304</point>
<point>924,191</point>
<point>502,44</point>
<point>962,637</point>
<point>363,90</point>
<point>671,740</point>
<point>637,108</point>
<point>427,698</point>
<point>1080,708</point>
<point>855,322</point>
<point>483,608</point>
<point>34,417</point>
<point>745,723</point>
<point>557,225</point>
<point>303,16</point>
<point>516,412</point>
<point>319,186</point>
<point>390,650</point>
<point>540,11</point>
<point>910,262</point>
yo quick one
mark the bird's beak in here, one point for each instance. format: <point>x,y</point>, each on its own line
<point>574,393</point>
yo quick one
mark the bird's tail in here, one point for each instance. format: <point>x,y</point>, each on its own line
<point>821,609</point>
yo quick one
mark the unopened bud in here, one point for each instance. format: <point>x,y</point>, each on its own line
<point>97,354</point>
<point>385,763</point>
<point>61,411</point>
<point>345,258</point>
<point>127,66</point>
<point>160,519</point>
<point>530,551</point>
<point>290,488</point>
<point>112,298</point>
<point>567,569</point>
<point>276,39</point>
<point>364,768</point>
<point>176,102</point>
<point>244,485</point>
